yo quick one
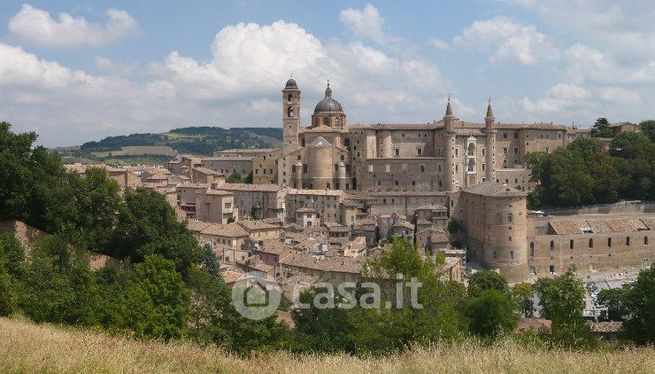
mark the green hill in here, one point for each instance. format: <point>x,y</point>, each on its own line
<point>192,140</point>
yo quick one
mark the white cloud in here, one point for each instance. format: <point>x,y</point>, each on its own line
<point>365,23</point>
<point>618,95</point>
<point>508,41</point>
<point>438,43</point>
<point>238,85</point>
<point>37,26</point>
<point>560,97</point>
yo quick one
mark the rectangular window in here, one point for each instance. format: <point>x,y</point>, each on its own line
<point>387,168</point>
<point>370,168</point>
<point>422,168</point>
<point>419,151</point>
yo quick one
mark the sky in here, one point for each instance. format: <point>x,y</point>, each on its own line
<point>75,71</point>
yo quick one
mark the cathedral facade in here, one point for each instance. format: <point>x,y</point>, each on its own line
<point>444,156</point>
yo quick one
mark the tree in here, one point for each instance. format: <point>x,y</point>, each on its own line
<point>33,183</point>
<point>562,299</point>
<point>629,145</point>
<point>486,280</point>
<point>210,261</point>
<point>378,330</point>
<point>523,295</point>
<point>156,300</point>
<point>601,128</point>
<point>491,313</point>
<point>648,129</point>
<point>97,199</point>
<point>234,178</point>
<point>147,225</point>
<point>638,303</point>
<point>615,301</point>
<point>58,285</point>
<point>325,330</point>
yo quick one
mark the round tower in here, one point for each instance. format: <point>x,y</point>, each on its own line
<point>505,243</point>
<point>448,144</point>
<point>342,179</point>
<point>490,145</point>
<point>320,172</point>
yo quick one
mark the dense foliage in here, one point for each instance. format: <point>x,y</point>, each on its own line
<point>583,173</point>
<point>635,305</point>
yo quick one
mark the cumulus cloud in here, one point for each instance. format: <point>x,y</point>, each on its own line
<point>508,41</point>
<point>365,22</point>
<point>238,85</point>
<point>559,97</point>
<point>37,26</point>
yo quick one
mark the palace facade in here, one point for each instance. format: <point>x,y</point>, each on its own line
<point>444,156</point>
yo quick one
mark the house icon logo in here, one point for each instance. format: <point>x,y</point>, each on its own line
<point>256,295</point>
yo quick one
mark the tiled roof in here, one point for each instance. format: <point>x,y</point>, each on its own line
<point>231,230</point>
<point>253,225</point>
<point>335,264</point>
<point>249,187</point>
<point>197,226</point>
<point>490,188</point>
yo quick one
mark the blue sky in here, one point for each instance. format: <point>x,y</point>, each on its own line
<point>76,71</point>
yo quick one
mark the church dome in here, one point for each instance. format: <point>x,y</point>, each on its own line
<point>328,104</point>
<point>291,84</point>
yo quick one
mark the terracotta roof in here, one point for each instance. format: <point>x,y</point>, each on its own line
<point>231,230</point>
<point>274,247</point>
<point>334,264</point>
<point>206,170</point>
<point>254,225</point>
<point>197,226</point>
<point>495,189</point>
<point>249,187</point>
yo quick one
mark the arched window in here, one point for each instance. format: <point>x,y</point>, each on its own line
<point>532,245</point>
<point>471,149</point>
<point>326,121</point>
<point>609,242</point>
<point>571,244</point>
<point>552,245</point>
<point>289,97</point>
<point>290,111</point>
<point>337,121</point>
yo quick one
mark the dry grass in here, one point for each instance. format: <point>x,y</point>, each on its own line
<point>25,347</point>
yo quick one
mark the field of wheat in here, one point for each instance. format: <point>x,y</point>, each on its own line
<point>26,347</point>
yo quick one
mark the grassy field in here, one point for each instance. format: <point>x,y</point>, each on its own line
<point>25,347</point>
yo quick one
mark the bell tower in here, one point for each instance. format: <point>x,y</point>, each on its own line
<point>290,116</point>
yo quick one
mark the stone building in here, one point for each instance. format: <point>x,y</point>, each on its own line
<point>495,217</point>
<point>200,202</point>
<point>440,156</point>
<point>258,201</point>
<point>502,235</point>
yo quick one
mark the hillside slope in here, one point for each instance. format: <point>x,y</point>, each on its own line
<point>193,140</point>
<point>25,347</point>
